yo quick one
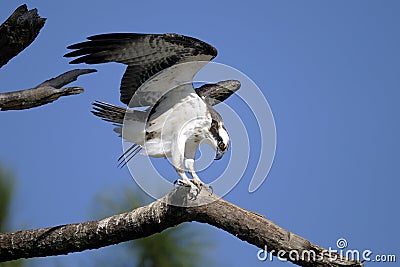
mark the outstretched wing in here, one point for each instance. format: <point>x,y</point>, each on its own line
<point>145,54</point>
<point>214,93</point>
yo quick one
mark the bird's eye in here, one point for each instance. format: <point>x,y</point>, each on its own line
<point>221,146</point>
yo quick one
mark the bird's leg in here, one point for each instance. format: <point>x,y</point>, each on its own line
<point>177,160</point>
<point>189,165</point>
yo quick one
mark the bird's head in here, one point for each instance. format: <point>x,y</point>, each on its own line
<point>219,138</point>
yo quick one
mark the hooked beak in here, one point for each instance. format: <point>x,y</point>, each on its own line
<point>219,155</point>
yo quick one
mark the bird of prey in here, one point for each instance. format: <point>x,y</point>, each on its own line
<point>166,116</point>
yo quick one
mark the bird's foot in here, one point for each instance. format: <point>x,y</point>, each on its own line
<point>200,185</point>
<point>194,189</point>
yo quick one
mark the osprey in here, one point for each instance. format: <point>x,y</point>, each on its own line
<point>166,116</point>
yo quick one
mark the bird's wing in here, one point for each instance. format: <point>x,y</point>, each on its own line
<point>117,115</point>
<point>214,93</point>
<point>146,55</point>
<point>211,93</point>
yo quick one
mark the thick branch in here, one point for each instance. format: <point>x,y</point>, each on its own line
<point>18,32</point>
<point>158,216</point>
<point>44,93</point>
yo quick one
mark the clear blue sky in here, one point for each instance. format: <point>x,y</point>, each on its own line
<point>329,69</point>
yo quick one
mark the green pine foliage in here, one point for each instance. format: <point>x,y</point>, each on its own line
<point>6,194</point>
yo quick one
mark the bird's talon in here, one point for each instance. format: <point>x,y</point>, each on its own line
<point>180,182</point>
<point>210,189</point>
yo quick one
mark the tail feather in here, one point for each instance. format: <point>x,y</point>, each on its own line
<point>116,115</point>
<point>129,154</point>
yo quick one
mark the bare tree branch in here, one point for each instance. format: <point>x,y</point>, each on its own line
<point>65,78</point>
<point>158,216</point>
<point>18,32</point>
<point>44,93</point>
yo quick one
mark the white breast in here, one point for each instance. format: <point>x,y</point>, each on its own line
<point>180,115</point>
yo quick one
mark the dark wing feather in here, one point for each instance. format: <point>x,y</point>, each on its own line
<point>115,114</point>
<point>109,112</point>
<point>218,92</point>
<point>145,54</point>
